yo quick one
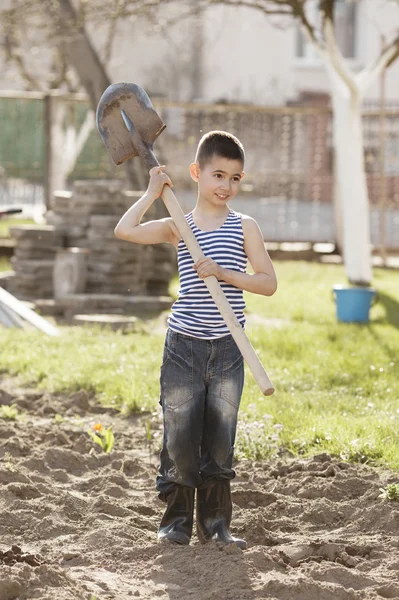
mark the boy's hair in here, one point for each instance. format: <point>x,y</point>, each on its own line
<point>219,143</point>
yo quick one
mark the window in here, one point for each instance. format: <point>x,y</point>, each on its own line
<point>345,30</point>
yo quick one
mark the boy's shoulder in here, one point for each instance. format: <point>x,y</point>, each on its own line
<point>250,229</point>
<point>243,216</point>
<point>248,223</point>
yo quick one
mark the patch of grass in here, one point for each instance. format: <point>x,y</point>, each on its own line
<point>390,492</point>
<point>11,413</point>
<point>6,223</point>
<point>257,439</point>
<point>121,369</point>
<point>5,264</point>
<point>337,385</point>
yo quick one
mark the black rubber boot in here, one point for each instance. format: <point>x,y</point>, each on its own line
<point>177,522</point>
<point>214,510</point>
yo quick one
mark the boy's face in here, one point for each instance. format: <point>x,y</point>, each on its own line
<point>218,180</point>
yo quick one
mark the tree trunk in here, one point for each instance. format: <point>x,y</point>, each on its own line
<point>81,54</point>
<point>352,187</point>
<point>337,204</point>
<point>63,144</point>
<point>84,58</point>
<point>54,114</point>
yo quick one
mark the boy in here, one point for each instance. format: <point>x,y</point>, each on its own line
<point>202,372</point>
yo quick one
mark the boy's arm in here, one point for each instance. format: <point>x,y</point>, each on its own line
<point>152,232</point>
<point>263,280</point>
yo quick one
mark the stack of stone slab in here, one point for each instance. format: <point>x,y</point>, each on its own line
<point>33,261</point>
<point>115,266</point>
<point>87,217</point>
<point>70,211</point>
<point>81,222</point>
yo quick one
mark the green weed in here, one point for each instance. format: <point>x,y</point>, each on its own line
<point>390,492</point>
<point>9,462</point>
<point>103,437</point>
<point>9,412</point>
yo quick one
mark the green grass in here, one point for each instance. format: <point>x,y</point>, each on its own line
<point>121,369</point>
<point>6,223</point>
<point>4,264</point>
<point>337,385</point>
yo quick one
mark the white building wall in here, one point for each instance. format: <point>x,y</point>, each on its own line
<point>246,58</point>
<point>160,61</point>
<point>380,18</point>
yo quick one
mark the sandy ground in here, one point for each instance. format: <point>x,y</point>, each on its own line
<point>78,524</point>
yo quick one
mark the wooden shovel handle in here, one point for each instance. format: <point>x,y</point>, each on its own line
<point>218,295</point>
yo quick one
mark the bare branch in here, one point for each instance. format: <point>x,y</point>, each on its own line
<point>370,73</point>
<point>308,29</point>
<point>13,48</point>
<point>262,6</point>
<point>327,9</point>
<point>60,68</point>
<point>110,40</point>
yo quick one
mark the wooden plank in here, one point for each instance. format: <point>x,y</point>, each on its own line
<point>25,95</point>
<point>13,304</point>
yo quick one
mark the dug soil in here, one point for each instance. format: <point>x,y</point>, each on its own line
<point>78,524</point>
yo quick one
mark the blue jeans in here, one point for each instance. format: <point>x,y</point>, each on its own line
<point>201,387</point>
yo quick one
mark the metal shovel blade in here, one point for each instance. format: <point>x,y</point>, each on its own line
<point>134,101</point>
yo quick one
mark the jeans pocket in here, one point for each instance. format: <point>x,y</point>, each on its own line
<point>177,373</point>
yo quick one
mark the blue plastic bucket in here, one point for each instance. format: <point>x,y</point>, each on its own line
<point>353,303</point>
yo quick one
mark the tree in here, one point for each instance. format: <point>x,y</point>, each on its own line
<point>347,92</point>
<point>72,63</point>
<point>347,88</point>
<point>66,59</point>
<point>25,32</point>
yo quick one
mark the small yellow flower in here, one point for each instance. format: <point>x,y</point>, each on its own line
<point>97,427</point>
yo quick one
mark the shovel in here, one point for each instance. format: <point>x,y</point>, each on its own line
<point>129,125</point>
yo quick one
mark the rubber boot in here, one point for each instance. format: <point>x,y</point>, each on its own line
<point>177,522</point>
<point>214,510</point>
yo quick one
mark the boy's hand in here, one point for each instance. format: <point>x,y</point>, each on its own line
<point>206,267</point>
<point>157,180</point>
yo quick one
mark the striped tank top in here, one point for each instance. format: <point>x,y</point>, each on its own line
<point>195,313</point>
